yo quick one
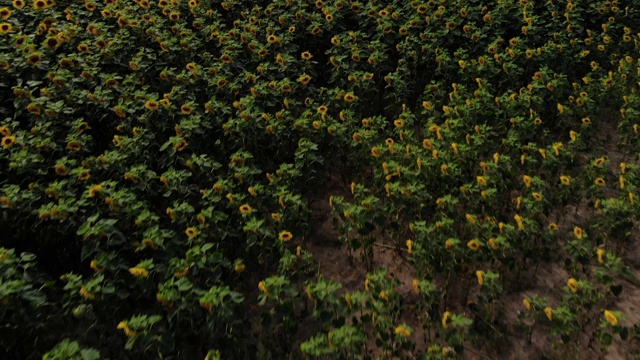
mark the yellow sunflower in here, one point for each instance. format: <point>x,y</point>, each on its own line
<point>191,232</point>
<point>285,236</point>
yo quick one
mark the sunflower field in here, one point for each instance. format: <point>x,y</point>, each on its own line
<point>329,179</point>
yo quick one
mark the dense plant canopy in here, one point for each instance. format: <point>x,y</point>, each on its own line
<point>161,161</point>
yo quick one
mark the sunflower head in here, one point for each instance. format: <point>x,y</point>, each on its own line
<point>245,209</point>
<point>285,236</point>
<point>191,232</point>
<point>8,141</point>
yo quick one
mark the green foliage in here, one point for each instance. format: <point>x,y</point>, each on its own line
<point>159,160</point>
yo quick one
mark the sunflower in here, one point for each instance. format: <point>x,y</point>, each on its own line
<point>5,28</point>
<point>403,330</point>
<point>375,152</point>
<point>18,4</point>
<point>600,182</point>
<point>409,246</point>
<point>537,196</point>
<point>61,170</point>
<point>526,179</point>
<point>94,190</point>
<point>445,319</point>
<point>549,312</point>
<point>86,293</point>
<point>349,97</point>
<point>304,79</point>
<point>285,236</point>
<point>577,232</point>
<point>323,109</point>
<point>600,253</point>
<point>52,42</point>
<point>599,161</point>
<point>526,303</point>
<point>34,59</point>
<point>7,141</point>
<point>186,109</point>
<point>39,4</point>
<point>245,209</point>
<point>225,58</point>
<point>474,245</point>
<point>84,175</point>
<point>553,226</point>
<point>573,285</point>
<point>565,180</point>
<point>83,48</point>
<point>139,272</point>
<point>610,318</point>
<point>152,105</point>
<point>74,145</point>
<point>181,145</point>
<point>191,232</point>
<point>263,287</point>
